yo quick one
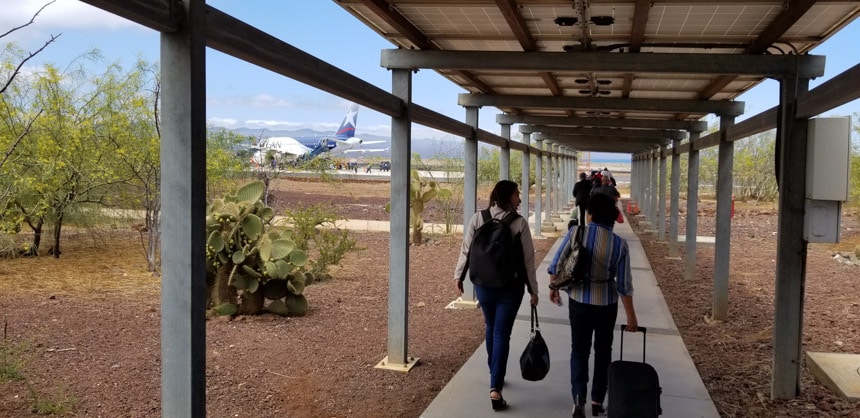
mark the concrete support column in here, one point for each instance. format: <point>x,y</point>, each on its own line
<point>470,186</point>
<point>505,154</point>
<point>550,185</point>
<point>791,248</point>
<point>547,218</point>
<point>556,181</point>
<point>642,177</point>
<point>398,249</point>
<point>674,199</point>
<point>723,236</point>
<point>653,187</point>
<point>524,182</point>
<point>692,208</point>
<point>569,175</point>
<point>538,186</point>
<point>661,197</point>
<point>183,232</point>
<point>632,177</point>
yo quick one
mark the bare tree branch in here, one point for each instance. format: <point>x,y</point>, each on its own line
<point>32,19</point>
<point>32,54</point>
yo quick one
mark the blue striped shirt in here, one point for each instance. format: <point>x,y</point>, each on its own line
<point>610,266</point>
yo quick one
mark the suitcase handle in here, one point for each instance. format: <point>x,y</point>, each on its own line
<point>644,332</point>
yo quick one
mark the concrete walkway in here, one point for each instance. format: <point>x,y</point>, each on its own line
<point>684,394</point>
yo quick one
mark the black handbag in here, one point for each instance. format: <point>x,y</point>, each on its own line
<point>534,362</point>
<point>575,265</point>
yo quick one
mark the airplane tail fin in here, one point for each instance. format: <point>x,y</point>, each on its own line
<point>347,127</point>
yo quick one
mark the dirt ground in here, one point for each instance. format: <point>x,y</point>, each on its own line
<point>88,324</point>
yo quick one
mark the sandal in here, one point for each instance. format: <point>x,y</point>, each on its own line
<point>498,403</point>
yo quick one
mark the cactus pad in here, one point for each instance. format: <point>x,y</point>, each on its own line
<point>281,248</point>
<point>275,289</point>
<point>278,307</point>
<point>251,192</point>
<point>296,305</point>
<point>298,258</point>
<point>215,242</point>
<point>252,226</point>
<point>226,309</point>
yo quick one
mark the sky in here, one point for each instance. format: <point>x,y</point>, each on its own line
<point>242,95</point>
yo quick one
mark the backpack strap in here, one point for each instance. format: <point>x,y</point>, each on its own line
<point>508,219</point>
<point>485,214</point>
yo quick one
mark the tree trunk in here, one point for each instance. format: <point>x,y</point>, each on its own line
<point>252,303</point>
<point>417,236</point>
<point>37,233</point>
<point>222,292</point>
<point>55,249</point>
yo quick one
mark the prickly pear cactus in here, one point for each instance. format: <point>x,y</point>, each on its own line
<point>249,261</point>
<point>421,191</point>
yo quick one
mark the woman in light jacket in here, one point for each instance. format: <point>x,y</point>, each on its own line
<point>500,304</point>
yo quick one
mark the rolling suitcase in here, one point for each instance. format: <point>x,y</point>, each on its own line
<point>634,387</point>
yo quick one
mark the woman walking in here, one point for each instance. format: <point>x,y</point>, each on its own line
<point>593,304</point>
<point>500,302</point>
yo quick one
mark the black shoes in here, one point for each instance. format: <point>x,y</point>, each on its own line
<point>597,409</point>
<point>498,404</point>
<point>579,411</point>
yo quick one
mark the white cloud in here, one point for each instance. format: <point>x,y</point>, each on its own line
<point>63,14</point>
<point>266,100</point>
<point>258,101</point>
<point>224,122</point>
<point>274,124</point>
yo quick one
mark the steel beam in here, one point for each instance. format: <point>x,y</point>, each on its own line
<point>775,66</point>
<point>721,107</point>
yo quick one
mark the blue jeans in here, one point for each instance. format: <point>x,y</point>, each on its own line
<point>500,308</point>
<point>586,320</point>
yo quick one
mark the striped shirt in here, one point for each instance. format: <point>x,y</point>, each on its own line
<point>610,267</point>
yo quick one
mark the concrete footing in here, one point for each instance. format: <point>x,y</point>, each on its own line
<point>840,372</point>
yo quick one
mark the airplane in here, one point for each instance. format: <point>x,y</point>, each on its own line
<point>342,142</point>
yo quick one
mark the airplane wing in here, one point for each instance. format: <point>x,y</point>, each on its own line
<point>372,142</point>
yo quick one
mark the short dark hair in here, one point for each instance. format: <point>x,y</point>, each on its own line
<point>582,175</point>
<point>501,195</point>
<point>602,209</point>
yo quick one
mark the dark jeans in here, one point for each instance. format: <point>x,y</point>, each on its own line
<point>586,320</point>
<point>500,310</point>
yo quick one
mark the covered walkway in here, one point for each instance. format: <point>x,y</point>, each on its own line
<point>684,394</point>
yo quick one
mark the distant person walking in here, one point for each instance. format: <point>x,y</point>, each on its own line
<point>581,191</point>
<point>606,188</point>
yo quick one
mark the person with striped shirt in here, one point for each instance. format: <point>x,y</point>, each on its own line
<point>593,305</point>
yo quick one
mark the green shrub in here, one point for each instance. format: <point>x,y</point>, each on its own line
<point>12,361</point>
<point>58,403</point>
<point>315,231</point>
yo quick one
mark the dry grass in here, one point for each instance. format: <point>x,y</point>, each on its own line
<point>109,262</point>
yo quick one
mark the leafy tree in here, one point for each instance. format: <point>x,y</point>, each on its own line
<point>224,166</point>
<point>753,169</point>
<point>132,129</point>
<point>15,125</point>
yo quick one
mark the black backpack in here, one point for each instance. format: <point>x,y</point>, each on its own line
<point>495,257</point>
